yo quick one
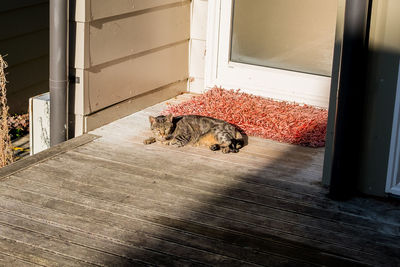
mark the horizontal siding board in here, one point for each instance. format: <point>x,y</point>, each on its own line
<point>24,38</point>
<point>25,47</point>
<point>127,36</point>
<point>19,100</point>
<point>7,5</point>
<point>24,21</point>
<point>112,84</point>
<point>125,49</point>
<point>90,10</point>
<point>27,74</point>
<point>133,105</point>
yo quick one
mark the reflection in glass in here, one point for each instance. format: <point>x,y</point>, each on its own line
<point>287,34</point>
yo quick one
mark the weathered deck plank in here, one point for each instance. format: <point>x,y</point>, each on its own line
<point>112,214</point>
<point>7,260</point>
<point>35,255</point>
<point>111,201</point>
<point>112,194</point>
<point>104,252</point>
<point>114,191</point>
<point>143,233</point>
<point>195,166</point>
<point>118,215</point>
<point>45,155</point>
<point>192,192</point>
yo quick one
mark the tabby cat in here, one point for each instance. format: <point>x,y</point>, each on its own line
<point>195,130</point>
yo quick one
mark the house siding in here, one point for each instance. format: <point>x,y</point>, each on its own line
<point>123,51</point>
<point>383,69</point>
<point>24,40</point>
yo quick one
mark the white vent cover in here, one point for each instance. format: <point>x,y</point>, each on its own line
<point>39,123</point>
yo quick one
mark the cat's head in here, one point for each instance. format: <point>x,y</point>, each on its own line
<point>161,126</point>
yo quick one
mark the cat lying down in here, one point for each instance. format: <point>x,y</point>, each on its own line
<point>197,131</point>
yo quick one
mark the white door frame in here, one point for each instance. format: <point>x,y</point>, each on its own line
<point>393,175</point>
<point>268,82</point>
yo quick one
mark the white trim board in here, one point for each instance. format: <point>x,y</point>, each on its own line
<point>198,32</point>
<point>268,82</point>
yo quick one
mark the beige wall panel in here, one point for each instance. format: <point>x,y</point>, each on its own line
<point>132,105</point>
<point>121,55</point>
<point>106,8</point>
<point>114,83</point>
<point>125,36</point>
<point>89,10</point>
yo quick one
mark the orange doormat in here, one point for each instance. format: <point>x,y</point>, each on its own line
<point>257,116</point>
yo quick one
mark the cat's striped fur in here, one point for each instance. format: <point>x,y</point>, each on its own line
<point>195,130</point>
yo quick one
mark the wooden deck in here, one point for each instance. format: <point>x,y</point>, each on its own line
<point>108,200</point>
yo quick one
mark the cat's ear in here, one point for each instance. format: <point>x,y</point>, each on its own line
<point>169,117</point>
<point>152,119</point>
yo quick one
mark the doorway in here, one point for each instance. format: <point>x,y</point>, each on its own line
<point>277,49</point>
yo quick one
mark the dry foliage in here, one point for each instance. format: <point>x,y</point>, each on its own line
<point>18,125</point>
<point>6,153</point>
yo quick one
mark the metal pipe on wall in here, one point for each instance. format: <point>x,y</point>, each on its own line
<point>58,70</point>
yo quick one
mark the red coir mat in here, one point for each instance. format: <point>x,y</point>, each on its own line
<point>257,116</point>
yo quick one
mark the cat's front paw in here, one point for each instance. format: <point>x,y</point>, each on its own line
<point>176,143</point>
<point>149,141</point>
<point>226,150</point>
<point>166,142</point>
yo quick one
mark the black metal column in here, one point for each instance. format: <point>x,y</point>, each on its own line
<point>350,99</point>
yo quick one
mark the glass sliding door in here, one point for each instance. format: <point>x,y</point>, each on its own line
<point>276,48</point>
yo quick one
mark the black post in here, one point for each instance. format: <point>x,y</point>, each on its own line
<point>58,71</point>
<point>350,99</point>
